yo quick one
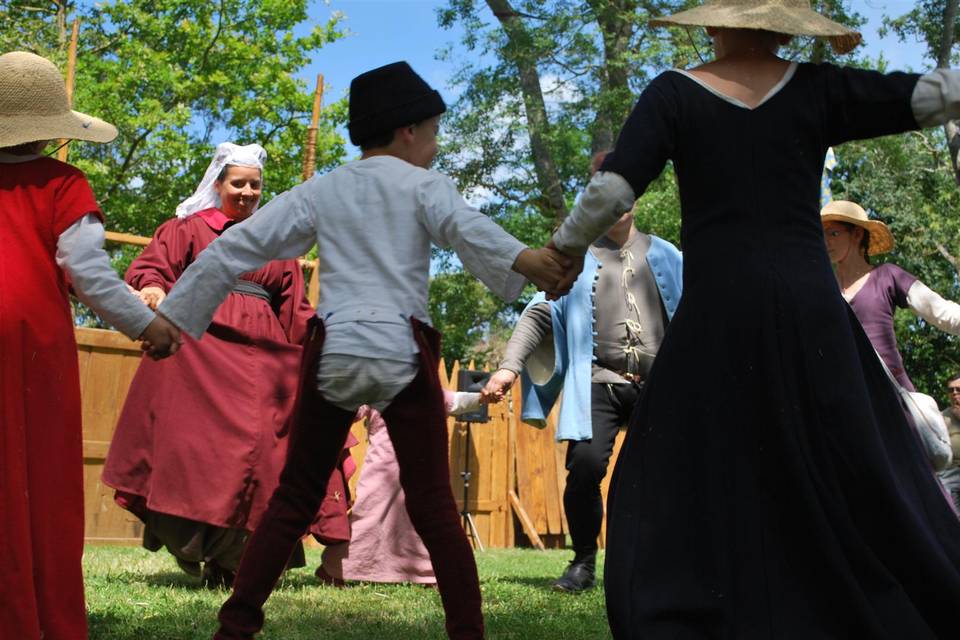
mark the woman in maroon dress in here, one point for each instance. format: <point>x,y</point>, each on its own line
<point>201,440</point>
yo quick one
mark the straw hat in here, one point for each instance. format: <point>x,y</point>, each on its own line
<point>881,240</point>
<point>33,104</point>
<point>793,17</point>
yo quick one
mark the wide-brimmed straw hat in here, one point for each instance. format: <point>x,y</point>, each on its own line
<point>792,17</point>
<point>881,239</point>
<point>33,104</point>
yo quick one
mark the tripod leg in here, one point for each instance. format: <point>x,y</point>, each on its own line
<point>472,531</point>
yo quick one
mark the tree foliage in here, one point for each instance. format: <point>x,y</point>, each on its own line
<point>592,58</point>
<point>176,77</point>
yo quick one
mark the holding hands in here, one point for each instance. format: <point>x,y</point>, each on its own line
<point>498,385</point>
<point>573,272</point>
<point>549,269</point>
<point>151,296</point>
<point>161,338</point>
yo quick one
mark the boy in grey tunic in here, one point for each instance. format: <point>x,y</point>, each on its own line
<point>373,221</point>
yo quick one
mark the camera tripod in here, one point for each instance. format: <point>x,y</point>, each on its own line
<point>469,526</point>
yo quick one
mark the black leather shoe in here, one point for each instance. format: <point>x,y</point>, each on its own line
<point>579,576</point>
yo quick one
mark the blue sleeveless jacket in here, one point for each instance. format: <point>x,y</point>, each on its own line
<point>572,348</point>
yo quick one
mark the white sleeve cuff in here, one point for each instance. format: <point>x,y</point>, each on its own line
<point>606,198</point>
<point>936,98</point>
<point>464,402</point>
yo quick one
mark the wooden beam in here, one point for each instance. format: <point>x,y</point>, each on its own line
<point>127,238</point>
<point>525,521</point>
<point>310,147</point>
<point>71,74</point>
<point>105,339</point>
<point>481,506</point>
<point>95,450</point>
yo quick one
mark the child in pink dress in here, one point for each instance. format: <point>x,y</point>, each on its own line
<point>383,545</point>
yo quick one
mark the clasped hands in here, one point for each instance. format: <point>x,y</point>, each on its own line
<point>551,270</point>
<point>161,338</point>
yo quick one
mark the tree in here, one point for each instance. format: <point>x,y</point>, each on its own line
<point>562,79</point>
<point>176,77</point>
<point>935,23</point>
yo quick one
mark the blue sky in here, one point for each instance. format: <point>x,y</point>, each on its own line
<point>384,31</point>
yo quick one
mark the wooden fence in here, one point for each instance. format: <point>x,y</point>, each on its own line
<point>517,471</point>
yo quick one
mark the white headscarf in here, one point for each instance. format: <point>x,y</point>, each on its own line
<point>205,197</point>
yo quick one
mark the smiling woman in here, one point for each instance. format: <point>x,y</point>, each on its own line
<point>238,188</point>
<point>202,437</point>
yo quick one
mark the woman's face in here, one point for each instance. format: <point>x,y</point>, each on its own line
<point>239,191</point>
<point>843,241</point>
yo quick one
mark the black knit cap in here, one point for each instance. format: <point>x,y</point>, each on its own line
<point>387,98</point>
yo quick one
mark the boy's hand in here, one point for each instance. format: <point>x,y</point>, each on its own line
<point>498,385</point>
<point>161,338</point>
<point>573,272</point>
<point>545,267</point>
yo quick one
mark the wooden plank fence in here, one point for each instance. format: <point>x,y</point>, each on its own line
<point>517,471</point>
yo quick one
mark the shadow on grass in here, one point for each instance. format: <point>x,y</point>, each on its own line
<point>320,624</point>
<point>179,579</point>
<point>164,579</point>
<point>300,619</point>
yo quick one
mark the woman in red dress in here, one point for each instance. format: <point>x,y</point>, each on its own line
<point>51,232</point>
<point>201,440</point>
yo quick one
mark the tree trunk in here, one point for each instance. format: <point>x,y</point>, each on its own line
<point>552,201</point>
<point>943,62</point>
<point>62,22</point>
<point>616,20</point>
<point>949,27</point>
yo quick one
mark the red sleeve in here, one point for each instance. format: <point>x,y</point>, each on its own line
<point>166,257</point>
<point>74,199</point>
<point>291,305</point>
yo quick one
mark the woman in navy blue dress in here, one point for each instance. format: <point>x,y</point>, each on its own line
<point>784,497</point>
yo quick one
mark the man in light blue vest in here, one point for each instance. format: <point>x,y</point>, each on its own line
<point>596,345</point>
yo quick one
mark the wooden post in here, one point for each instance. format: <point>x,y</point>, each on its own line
<point>310,149</point>
<point>526,521</point>
<point>313,285</point>
<point>71,72</point>
<point>309,165</point>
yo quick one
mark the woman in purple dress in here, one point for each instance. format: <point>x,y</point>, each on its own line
<point>875,291</point>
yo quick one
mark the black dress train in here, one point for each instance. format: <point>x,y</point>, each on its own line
<point>770,486</point>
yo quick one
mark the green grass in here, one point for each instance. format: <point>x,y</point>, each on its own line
<point>133,594</point>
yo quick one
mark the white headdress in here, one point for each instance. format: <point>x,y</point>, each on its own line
<point>205,197</point>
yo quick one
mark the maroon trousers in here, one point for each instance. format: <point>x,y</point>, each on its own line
<point>417,424</point>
